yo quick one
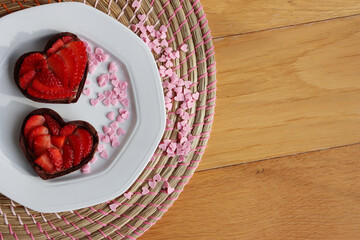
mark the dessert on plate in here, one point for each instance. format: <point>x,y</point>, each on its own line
<point>55,75</point>
<point>54,147</point>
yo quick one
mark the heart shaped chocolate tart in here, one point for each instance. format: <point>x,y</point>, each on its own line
<point>56,75</point>
<point>54,147</point>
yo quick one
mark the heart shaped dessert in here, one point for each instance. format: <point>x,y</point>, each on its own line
<point>54,147</point>
<point>56,75</point>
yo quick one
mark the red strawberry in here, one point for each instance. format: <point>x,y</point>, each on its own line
<point>68,156</point>
<point>53,124</point>
<point>57,96</point>
<point>38,131</point>
<point>41,144</point>
<point>33,122</point>
<point>32,62</point>
<point>67,130</point>
<point>58,67</point>
<point>41,87</point>
<point>69,58</point>
<point>44,161</point>
<point>79,49</point>
<point>58,141</point>
<point>26,79</point>
<point>78,147</point>
<point>56,158</point>
<point>46,77</point>
<point>86,139</point>
<point>56,46</point>
<point>67,39</point>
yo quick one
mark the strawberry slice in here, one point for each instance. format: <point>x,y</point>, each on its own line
<point>69,58</point>
<point>41,87</point>
<point>68,156</point>
<point>67,39</point>
<point>46,77</point>
<point>26,79</point>
<point>79,49</point>
<point>56,158</point>
<point>53,124</point>
<point>58,67</point>
<point>86,139</point>
<point>78,147</point>
<point>56,46</point>
<point>67,130</point>
<point>58,141</point>
<point>44,161</point>
<point>57,96</point>
<point>32,62</point>
<point>33,122</point>
<point>41,144</point>
<point>38,131</point>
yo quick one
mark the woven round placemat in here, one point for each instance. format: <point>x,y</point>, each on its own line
<point>186,24</point>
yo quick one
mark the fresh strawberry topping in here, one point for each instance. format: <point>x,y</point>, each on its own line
<point>68,156</point>
<point>56,46</point>
<point>41,144</point>
<point>79,49</point>
<point>69,58</point>
<point>48,78</point>
<point>33,122</point>
<point>87,140</point>
<point>36,132</point>
<point>53,125</point>
<point>49,96</point>
<point>56,158</point>
<point>32,62</point>
<point>58,141</point>
<point>58,67</point>
<point>67,130</point>
<point>67,39</point>
<point>78,146</point>
<point>26,79</point>
<point>44,161</point>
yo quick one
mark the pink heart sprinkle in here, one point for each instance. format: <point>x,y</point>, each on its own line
<point>86,91</point>
<point>87,82</point>
<point>164,43</point>
<point>184,47</point>
<point>150,28</point>
<point>115,143</point>
<point>94,159</point>
<point>187,84</point>
<point>120,131</point>
<point>181,159</point>
<point>169,72</point>
<point>165,185</point>
<point>179,97</point>
<point>145,190</point>
<point>106,129</point>
<point>119,119</point>
<point>113,67</point>
<point>141,17</point>
<point>190,137</point>
<point>196,95</point>
<point>169,122</point>
<point>162,58</point>
<point>123,85</point>
<point>86,169</point>
<point>104,154</point>
<point>163,29</point>
<point>106,102</point>
<point>136,4</point>
<point>110,116</point>
<point>125,102</point>
<point>101,96</point>
<point>99,50</point>
<point>168,106</point>
<point>92,69</point>
<point>114,101</point>
<point>127,195</point>
<point>152,184</point>
<point>115,83</point>
<point>178,90</point>
<point>100,148</point>
<point>169,64</point>
<point>114,125</point>
<point>177,54</point>
<point>157,177</point>
<point>93,102</point>
<point>157,50</point>
<point>111,133</point>
<point>170,190</point>
<point>113,207</point>
<point>112,137</point>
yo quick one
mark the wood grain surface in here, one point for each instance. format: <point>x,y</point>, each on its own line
<point>283,157</point>
<point>308,196</point>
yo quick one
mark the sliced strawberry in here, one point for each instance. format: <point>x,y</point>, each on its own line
<point>36,132</point>
<point>79,49</point>
<point>41,144</point>
<point>58,67</point>
<point>33,122</point>
<point>67,130</point>
<point>46,77</point>
<point>41,87</point>
<point>26,79</point>
<point>86,139</point>
<point>58,141</point>
<point>58,96</point>
<point>54,126</point>
<point>78,147</point>
<point>44,161</point>
<point>33,62</point>
<point>56,46</point>
<point>56,158</point>
<point>67,39</point>
<point>69,58</point>
<point>68,156</point>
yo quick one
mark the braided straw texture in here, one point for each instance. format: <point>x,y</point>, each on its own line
<point>186,23</point>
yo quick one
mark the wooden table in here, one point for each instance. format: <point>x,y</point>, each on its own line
<point>283,161</point>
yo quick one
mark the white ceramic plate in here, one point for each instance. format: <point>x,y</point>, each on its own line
<point>29,30</point>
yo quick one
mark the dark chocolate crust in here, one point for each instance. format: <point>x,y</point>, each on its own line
<point>31,157</point>
<point>48,45</point>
